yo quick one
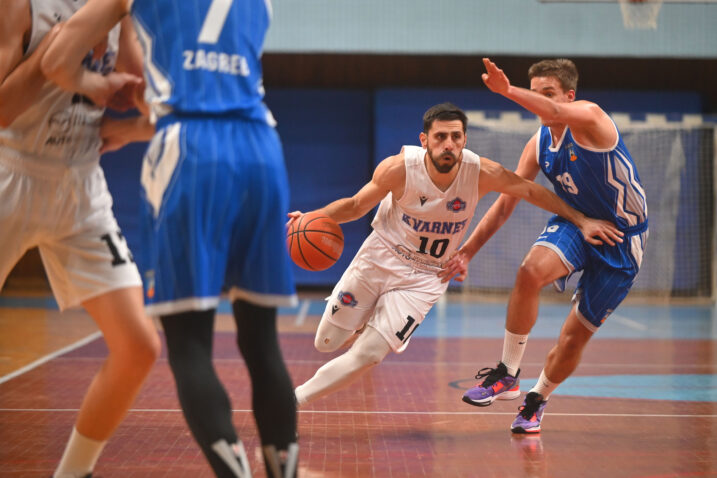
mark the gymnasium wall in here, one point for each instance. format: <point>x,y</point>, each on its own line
<point>333,138</point>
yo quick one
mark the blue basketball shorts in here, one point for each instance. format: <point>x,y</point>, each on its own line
<point>215,199</point>
<point>608,271</point>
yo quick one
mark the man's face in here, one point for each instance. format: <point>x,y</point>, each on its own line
<point>549,86</point>
<point>444,143</point>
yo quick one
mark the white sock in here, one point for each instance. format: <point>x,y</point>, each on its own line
<point>80,456</point>
<point>513,349</point>
<point>544,386</point>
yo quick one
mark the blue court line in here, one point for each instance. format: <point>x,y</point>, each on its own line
<point>683,387</point>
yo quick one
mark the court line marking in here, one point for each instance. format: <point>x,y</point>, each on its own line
<point>629,323</point>
<point>386,412</point>
<point>452,364</point>
<point>303,311</point>
<point>51,356</point>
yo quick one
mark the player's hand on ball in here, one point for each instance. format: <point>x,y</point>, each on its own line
<point>293,216</point>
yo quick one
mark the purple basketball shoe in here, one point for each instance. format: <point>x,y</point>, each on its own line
<point>498,385</point>
<point>531,413</point>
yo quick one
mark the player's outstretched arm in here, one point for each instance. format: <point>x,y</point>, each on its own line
<point>389,176</point>
<point>495,177</point>
<point>88,27</point>
<point>499,212</point>
<point>20,80</point>
<point>590,125</point>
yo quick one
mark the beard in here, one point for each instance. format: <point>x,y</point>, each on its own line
<point>442,167</point>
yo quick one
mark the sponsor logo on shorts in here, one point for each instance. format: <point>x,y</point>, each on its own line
<point>334,309</point>
<point>456,205</point>
<point>423,200</point>
<point>348,299</point>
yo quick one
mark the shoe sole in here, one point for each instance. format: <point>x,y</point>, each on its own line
<point>509,395</point>
<point>523,431</point>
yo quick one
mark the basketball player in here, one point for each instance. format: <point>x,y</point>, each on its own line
<point>53,195</point>
<point>215,198</point>
<point>580,150</point>
<point>428,197</point>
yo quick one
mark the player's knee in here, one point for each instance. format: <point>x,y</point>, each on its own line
<point>324,343</point>
<point>140,353</point>
<point>530,274</point>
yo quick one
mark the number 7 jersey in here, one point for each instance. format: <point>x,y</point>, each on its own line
<point>426,225</point>
<point>212,65</point>
<point>602,184</point>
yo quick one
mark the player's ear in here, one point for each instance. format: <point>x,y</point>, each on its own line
<point>424,139</point>
<point>571,95</point>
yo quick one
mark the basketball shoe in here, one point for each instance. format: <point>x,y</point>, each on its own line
<point>498,385</point>
<point>530,415</point>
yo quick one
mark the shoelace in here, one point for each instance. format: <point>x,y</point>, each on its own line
<point>532,403</point>
<point>492,375</point>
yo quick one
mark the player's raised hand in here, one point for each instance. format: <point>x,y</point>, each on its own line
<point>597,231</point>
<point>494,78</point>
<point>455,267</point>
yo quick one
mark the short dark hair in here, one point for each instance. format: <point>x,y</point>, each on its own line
<point>564,70</point>
<point>443,112</point>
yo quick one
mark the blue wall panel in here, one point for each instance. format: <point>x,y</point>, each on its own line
<point>328,149</point>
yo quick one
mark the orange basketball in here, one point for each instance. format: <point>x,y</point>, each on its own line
<point>315,241</point>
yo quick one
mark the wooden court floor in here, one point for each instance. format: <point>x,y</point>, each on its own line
<point>643,402</point>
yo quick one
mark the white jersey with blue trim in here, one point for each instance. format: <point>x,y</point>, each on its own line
<point>426,225</point>
<point>60,128</point>
<point>602,184</point>
<point>212,65</point>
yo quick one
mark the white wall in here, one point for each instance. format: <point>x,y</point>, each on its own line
<point>488,27</point>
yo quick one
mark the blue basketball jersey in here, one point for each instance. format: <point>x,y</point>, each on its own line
<point>204,56</point>
<point>602,184</point>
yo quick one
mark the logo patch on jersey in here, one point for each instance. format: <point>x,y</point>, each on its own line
<point>423,200</point>
<point>573,156</point>
<point>149,283</point>
<point>456,205</point>
<point>347,298</point>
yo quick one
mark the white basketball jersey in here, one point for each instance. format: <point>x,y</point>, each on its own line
<point>426,225</point>
<point>60,128</point>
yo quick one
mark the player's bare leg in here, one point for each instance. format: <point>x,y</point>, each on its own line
<point>133,345</point>
<point>540,267</point>
<point>368,351</point>
<point>133,348</point>
<point>565,356</point>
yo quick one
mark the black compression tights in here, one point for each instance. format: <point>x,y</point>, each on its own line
<point>272,390</point>
<point>204,401</point>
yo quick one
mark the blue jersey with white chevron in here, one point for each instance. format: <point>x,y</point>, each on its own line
<point>602,184</point>
<point>204,56</point>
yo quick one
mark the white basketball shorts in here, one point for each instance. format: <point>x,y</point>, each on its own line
<point>67,213</point>
<point>383,290</point>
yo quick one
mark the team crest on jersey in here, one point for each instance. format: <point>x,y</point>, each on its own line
<point>456,205</point>
<point>571,152</point>
<point>149,283</point>
<point>347,299</point>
